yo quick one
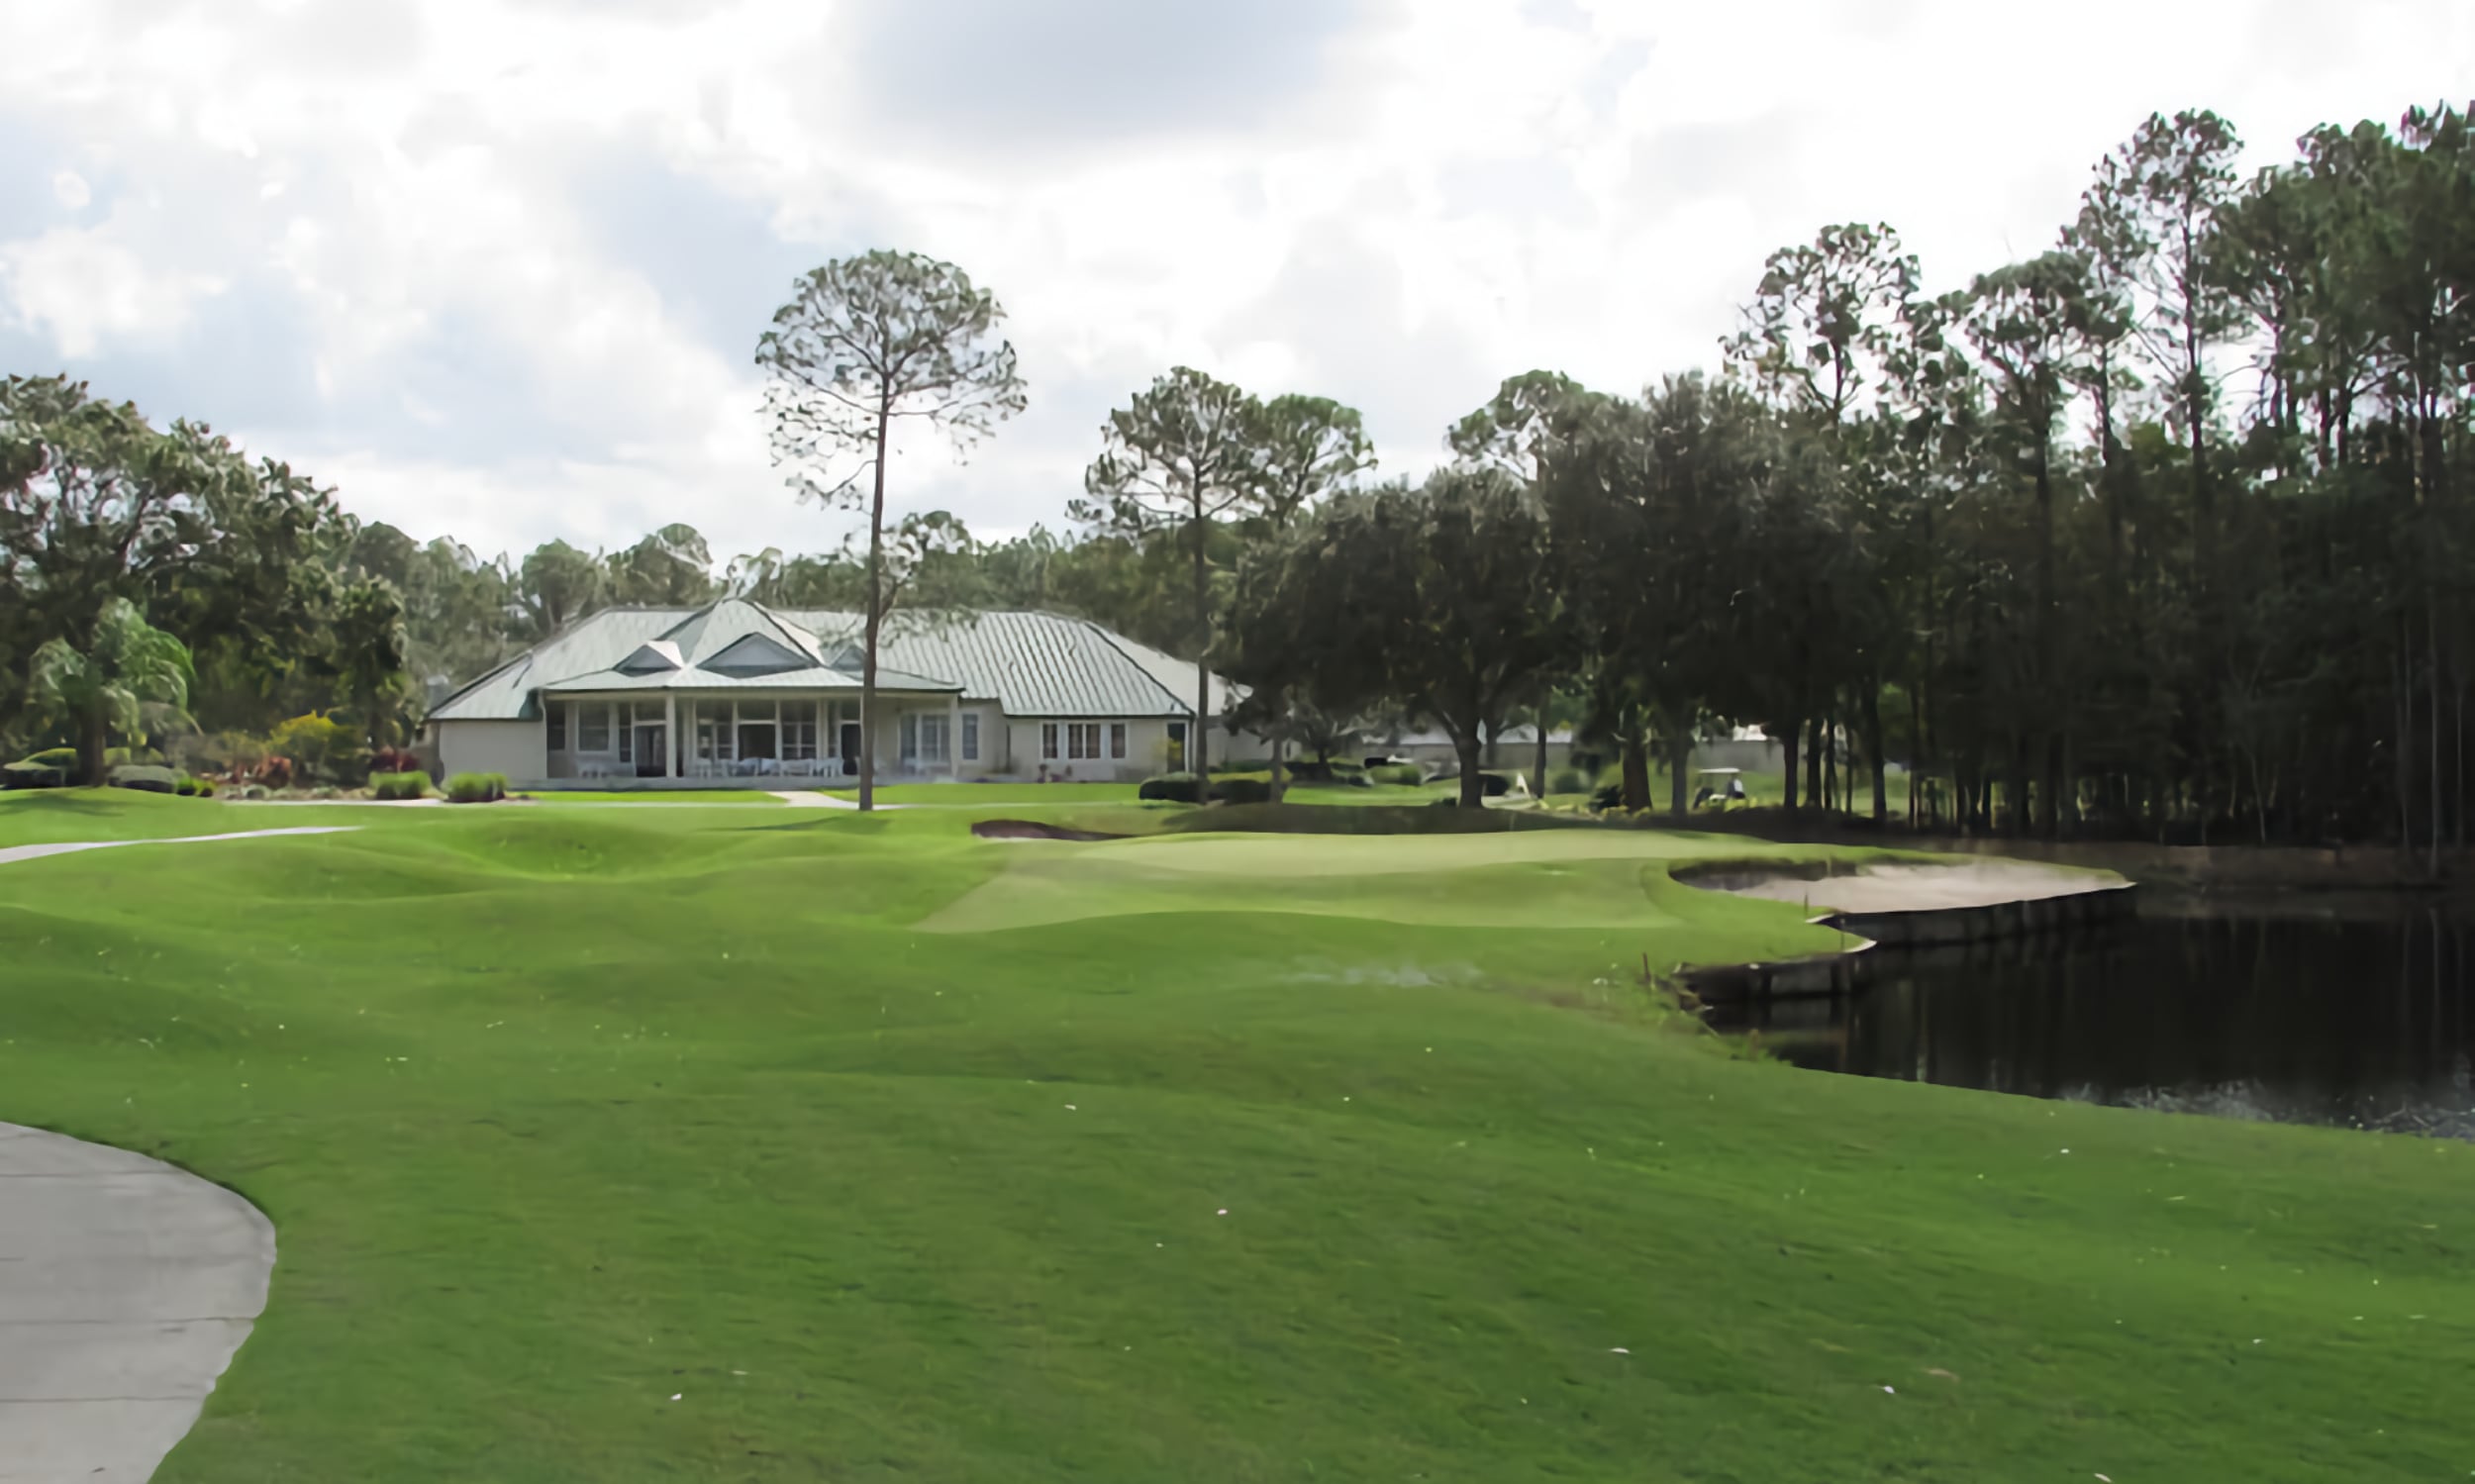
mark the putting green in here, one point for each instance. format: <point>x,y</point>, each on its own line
<point>1534,879</point>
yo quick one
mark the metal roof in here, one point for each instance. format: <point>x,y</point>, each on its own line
<point>1033,664</point>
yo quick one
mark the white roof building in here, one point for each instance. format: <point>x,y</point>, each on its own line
<point>738,690</point>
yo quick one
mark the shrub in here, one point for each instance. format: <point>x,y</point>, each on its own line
<point>1405,774</point>
<point>146,777</point>
<point>1174,788</point>
<point>409,785</point>
<point>194,788</point>
<point>392,760</point>
<point>1242,765</point>
<point>1608,796</point>
<point>1568,781</point>
<point>324,749</point>
<point>54,758</point>
<point>1243,790</point>
<point>477,788</point>
<point>33,774</point>
<point>1310,771</point>
<point>274,772</point>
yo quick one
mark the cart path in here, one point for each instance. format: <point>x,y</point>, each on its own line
<point>10,853</point>
<point>126,1286</point>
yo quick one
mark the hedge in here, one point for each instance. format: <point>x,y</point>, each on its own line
<point>1403,774</point>
<point>401,785</point>
<point>477,788</point>
<point>146,777</point>
<point>1172,788</point>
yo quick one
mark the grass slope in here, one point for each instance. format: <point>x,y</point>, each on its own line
<point>615,1144</point>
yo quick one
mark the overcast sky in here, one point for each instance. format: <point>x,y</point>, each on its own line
<point>496,269</point>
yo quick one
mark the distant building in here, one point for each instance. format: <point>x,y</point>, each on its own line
<point>647,697</point>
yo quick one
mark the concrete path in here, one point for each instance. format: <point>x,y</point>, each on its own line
<point>125,1285</point>
<point>37,852</point>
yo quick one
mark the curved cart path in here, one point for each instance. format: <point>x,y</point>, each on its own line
<point>125,1285</point>
<point>37,852</point>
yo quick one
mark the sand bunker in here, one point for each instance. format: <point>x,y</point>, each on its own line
<point>1919,888</point>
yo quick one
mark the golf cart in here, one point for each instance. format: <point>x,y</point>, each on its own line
<point>1720,789</point>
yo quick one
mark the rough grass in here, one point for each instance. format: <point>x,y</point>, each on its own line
<point>563,1114</point>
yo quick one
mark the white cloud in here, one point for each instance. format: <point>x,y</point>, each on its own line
<point>514,253</point>
<point>82,288</point>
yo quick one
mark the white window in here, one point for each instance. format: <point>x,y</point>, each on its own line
<point>1048,740</point>
<point>593,727</point>
<point>970,736</point>
<point>1116,738</point>
<point>1082,741</point>
<point>933,739</point>
<point>799,729</point>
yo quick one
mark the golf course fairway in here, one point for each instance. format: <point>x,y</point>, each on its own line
<point>684,1143</point>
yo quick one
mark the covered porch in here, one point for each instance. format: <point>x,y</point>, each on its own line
<point>747,737</point>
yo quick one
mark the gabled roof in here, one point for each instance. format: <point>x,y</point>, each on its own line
<point>1034,664</point>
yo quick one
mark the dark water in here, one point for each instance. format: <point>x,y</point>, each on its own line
<point>2363,1017</point>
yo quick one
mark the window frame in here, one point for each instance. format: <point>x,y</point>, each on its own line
<point>555,717</point>
<point>1117,742</point>
<point>970,736</point>
<point>588,713</point>
<point>1049,742</point>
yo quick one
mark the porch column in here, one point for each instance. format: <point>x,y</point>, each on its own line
<point>670,734</point>
<point>953,735</point>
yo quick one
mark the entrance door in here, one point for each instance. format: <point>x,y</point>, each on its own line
<point>851,749</point>
<point>1177,746</point>
<point>653,749</point>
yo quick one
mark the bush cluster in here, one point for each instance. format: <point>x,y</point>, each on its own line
<point>402,785</point>
<point>146,777</point>
<point>1186,788</point>
<point>1172,788</point>
<point>1568,781</point>
<point>477,788</point>
<point>1405,774</point>
<point>55,767</point>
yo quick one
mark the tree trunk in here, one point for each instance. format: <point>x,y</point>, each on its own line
<point>1790,736</point>
<point>1537,773</point>
<point>94,737</point>
<point>1871,708</point>
<point>875,618</point>
<point>1637,770</point>
<point>1679,757</point>
<point>1473,780</point>
<point>1280,745</point>
<point>1198,747</point>
<point>1813,791</point>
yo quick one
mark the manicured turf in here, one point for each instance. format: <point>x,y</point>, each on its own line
<point>658,796</point>
<point>715,1144</point>
<point>977,795</point>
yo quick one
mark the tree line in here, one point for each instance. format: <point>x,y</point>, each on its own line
<point>2158,532</point>
<point>2161,532</point>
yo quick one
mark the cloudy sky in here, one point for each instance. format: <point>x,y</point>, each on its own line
<point>496,269</point>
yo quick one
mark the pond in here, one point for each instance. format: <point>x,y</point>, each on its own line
<point>2331,1010</point>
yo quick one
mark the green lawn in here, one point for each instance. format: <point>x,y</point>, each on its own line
<point>739,1144</point>
<point>975,795</point>
<point>656,796</point>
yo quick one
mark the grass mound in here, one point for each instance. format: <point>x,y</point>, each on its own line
<point>668,1143</point>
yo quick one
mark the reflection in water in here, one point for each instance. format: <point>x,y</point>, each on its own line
<point>2366,1022</point>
